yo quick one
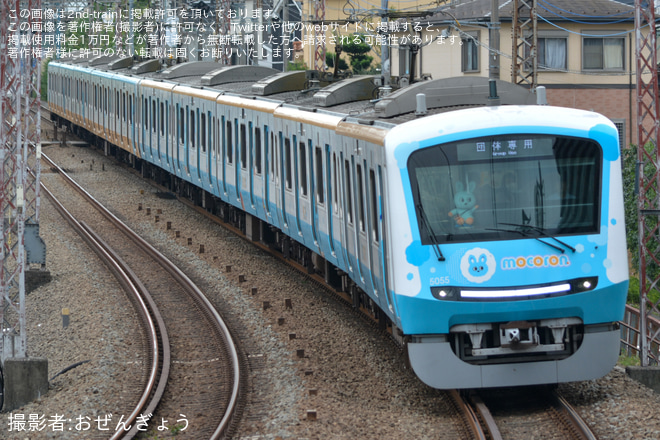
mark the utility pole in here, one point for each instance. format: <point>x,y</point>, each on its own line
<point>524,41</point>
<point>385,48</point>
<point>319,34</point>
<point>494,39</point>
<point>648,158</point>
<point>20,173</point>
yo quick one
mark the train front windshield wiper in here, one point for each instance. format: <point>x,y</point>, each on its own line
<point>544,233</point>
<point>429,229</point>
<point>525,234</point>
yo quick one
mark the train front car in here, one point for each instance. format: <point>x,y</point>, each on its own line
<point>509,262</point>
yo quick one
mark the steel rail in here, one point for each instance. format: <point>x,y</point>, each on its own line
<point>159,369</point>
<point>194,292</point>
<point>469,415</point>
<point>576,421</point>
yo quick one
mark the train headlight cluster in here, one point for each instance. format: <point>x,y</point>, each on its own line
<point>578,285</point>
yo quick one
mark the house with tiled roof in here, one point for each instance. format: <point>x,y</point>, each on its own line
<point>586,51</point>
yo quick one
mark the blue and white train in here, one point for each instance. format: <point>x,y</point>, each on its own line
<point>489,237</point>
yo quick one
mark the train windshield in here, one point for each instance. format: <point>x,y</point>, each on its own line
<point>506,187</point>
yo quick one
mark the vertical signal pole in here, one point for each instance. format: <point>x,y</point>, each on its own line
<point>524,44</point>
<point>20,151</point>
<point>648,160</point>
<point>224,29</point>
<point>12,276</point>
<point>319,35</point>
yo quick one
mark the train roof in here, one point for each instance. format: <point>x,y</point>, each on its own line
<point>353,97</point>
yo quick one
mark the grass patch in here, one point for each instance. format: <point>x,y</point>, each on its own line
<point>628,361</point>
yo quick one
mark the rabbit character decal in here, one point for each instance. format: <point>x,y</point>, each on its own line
<point>466,204</point>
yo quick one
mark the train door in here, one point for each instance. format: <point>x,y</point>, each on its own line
<point>181,136</point>
<point>124,120</point>
<point>213,152</point>
<point>190,146</point>
<point>242,165</point>
<point>267,164</point>
<point>348,228</point>
<point>377,233</point>
<point>250,163</point>
<point>361,247</point>
<point>303,208</point>
<point>162,144</point>
<point>131,125</point>
<point>298,152</point>
<point>228,174</point>
<point>284,153</point>
<point>288,202</point>
<point>204,142</point>
<point>317,193</point>
<point>368,231</point>
<point>257,169</point>
<point>146,136</point>
<point>153,129</point>
<point>326,210</point>
<point>218,150</point>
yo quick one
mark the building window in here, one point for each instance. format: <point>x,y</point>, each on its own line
<point>620,125</point>
<point>603,53</point>
<point>552,53</point>
<point>470,52</point>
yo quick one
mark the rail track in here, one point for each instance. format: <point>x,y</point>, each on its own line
<point>527,412</point>
<point>192,372</point>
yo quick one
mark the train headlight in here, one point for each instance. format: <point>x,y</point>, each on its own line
<point>509,293</point>
<point>446,293</point>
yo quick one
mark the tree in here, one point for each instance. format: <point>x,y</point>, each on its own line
<point>330,61</point>
<point>357,50</point>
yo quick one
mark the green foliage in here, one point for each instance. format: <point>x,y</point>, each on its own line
<point>44,79</point>
<point>629,158</point>
<point>330,61</point>
<point>357,50</point>
<point>631,199</point>
<point>633,293</point>
<point>626,361</point>
<point>298,65</point>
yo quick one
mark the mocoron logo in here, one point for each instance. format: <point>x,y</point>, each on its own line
<point>535,261</point>
<point>478,265</point>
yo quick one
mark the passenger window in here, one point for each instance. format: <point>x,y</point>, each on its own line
<point>303,168</point>
<point>335,181</point>
<point>243,146</point>
<point>287,162</point>
<point>318,163</point>
<point>257,150</point>
<point>374,205</point>
<point>230,157</point>
<point>145,114</point>
<point>349,191</point>
<point>192,131</point>
<point>360,194</point>
<point>153,116</point>
<point>182,126</point>
<point>202,132</point>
